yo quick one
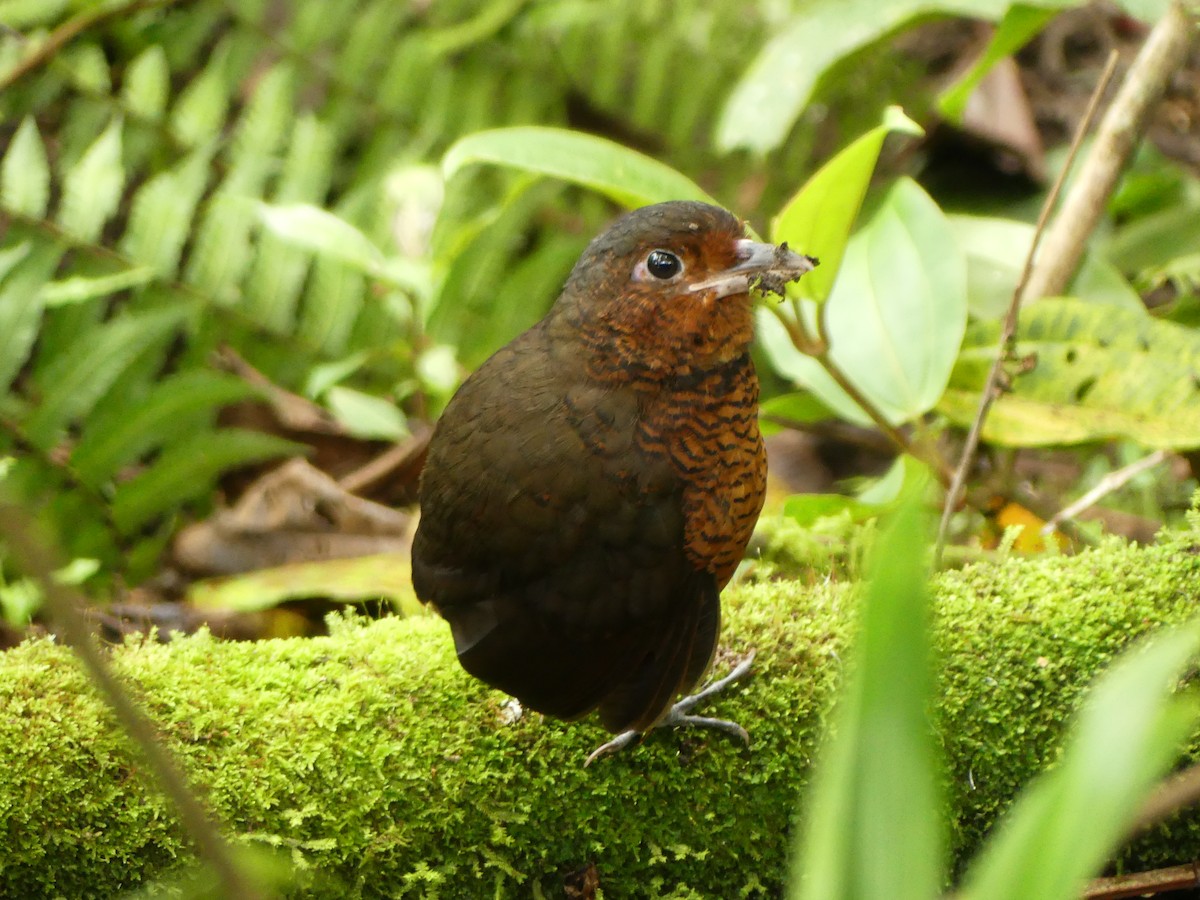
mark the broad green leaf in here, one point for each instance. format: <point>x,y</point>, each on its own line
<point>188,470</point>
<point>25,174</point>
<point>626,176</point>
<point>79,375</point>
<point>364,415</point>
<point>387,575</point>
<point>21,307</point>
<point>896,315</point>
<point>92,188</point>
<point>778,84</point>
<point>1100,372</point>
<point>312,228</point>
<point>1019,24</point>
<point>81,288</point>
<point>818,219</point>
<point>1067,824</point>
<point>172,406</point>
<point>1152,241</point>
<point>147,83</point>
<point>872,823</point>
<point>996,251</point>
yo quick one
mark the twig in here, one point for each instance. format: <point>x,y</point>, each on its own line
<point>1142,884</point>
<point>818,349</point>
<point>1118,133</point>
<point>67,32</point>
<point>991,387</point>
<point>1109,483</point>
<point>17,529</point>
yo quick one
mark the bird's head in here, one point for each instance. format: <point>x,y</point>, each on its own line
<point>666,289</point>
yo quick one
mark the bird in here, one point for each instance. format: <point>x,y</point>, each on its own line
<point>590,489</point>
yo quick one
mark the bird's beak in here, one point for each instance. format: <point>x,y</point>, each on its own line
<point>772,266</point>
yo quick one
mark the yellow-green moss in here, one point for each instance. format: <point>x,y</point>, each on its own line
<point>388,772</point>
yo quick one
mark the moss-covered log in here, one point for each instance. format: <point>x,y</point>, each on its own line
<point>388,772</point>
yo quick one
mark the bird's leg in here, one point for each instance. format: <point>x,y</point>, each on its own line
<point>679,715</point>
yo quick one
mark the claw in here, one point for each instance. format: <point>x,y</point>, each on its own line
<point>677,716</point>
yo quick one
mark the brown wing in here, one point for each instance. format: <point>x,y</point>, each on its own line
<point>555,547</point>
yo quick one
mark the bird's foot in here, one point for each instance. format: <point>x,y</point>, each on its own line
<point>679,715</point>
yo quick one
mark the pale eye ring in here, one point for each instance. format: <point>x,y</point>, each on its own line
<point>663,264</point>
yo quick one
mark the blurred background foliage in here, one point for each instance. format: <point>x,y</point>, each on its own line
<point>212,210</point>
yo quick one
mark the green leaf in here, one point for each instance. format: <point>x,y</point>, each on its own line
<point>25,173</point>
<point>163,212</point>
<point>170,408</point>
<point>92,188</point>
<point>1020,23</point>
<point>23,15</point>
<point>21,307</point>
<point>80,375</point>
<point>778,84</point>
<point>199,113</point>
<point>818,219</point>
<point>81,288</point>
<point>996,250</point>
<point>873,821</point>
<point>147,83</point>
<point>1068,823</point>
<point>387,575</point>
<point>799,407</point>
<point>312,228</point>
<point>188,470</point>
<point>896,315</point>
<point>366,416</point>
<point>1101,372</point>
<point>626,176</point>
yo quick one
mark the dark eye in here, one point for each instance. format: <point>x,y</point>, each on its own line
<point>663,264</point>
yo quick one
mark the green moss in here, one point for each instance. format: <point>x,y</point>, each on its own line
<point>385,771</point>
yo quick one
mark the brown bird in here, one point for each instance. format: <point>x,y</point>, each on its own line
<point>591,488</point>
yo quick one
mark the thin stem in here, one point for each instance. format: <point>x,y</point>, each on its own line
<point>991,387</point>
<point>17,530</point>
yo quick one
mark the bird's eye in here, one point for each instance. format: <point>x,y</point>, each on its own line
<point>663,264</point>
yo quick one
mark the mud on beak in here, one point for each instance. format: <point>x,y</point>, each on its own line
<point>770,265</point>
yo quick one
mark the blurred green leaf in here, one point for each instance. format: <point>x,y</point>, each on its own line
<point>81,288</point>
<point>1099,372</point>
<point>21,307</point>
<point>147,83</point>
<point>312,228</point>
<point>819,218</point>
<point>1067,824</point>
<point>1018,25</point>
<point>996,250</point>
<point>168,410</point>
<point>872,825</point>
<point>626,176</point>
<point>777,86</point>
<point>188,470</point>
<point>364,415</point>
<point>92,188</point>
<point>25,173</point>
<point>77,377</point>
<point>381,575</point>
<point>896,316</point>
